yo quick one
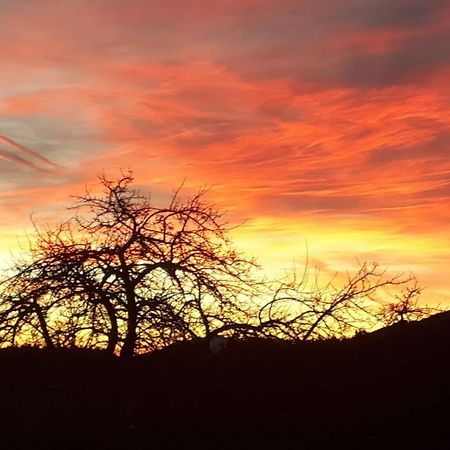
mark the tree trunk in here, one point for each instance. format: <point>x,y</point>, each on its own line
<point>113,335</point>
<point>44,328</point>
<point>129,343</point>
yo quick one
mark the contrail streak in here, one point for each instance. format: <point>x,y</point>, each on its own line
<point>8,156</point>
<point>27,151</point>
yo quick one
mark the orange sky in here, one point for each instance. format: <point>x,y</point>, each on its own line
<point>326,122</point>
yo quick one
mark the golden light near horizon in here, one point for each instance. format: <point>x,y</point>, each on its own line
<point>318,126</point>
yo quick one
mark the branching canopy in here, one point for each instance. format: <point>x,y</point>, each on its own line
<point>126,275</point>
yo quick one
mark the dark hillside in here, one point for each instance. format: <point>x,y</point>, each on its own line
<point>388,389</point>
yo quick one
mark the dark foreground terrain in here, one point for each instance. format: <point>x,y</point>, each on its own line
<point>385,390</point>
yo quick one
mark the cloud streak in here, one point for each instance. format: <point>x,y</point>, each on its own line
<point>26,151</point>
<point>8,156</point>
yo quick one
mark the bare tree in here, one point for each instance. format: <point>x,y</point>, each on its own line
<point>125,275</point>
<point>301,309</point>
<point>124,271</point>
<point>406,308</point>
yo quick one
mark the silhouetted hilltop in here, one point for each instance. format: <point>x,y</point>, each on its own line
<point>387,389</point>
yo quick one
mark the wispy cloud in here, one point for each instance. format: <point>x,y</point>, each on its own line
<point>26,151</point>
<point>8,156</point>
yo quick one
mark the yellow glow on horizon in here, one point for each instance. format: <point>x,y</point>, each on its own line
<point>341,246</point>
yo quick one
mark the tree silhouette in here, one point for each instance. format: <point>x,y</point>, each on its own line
<point>405,307</point>
<point>300,309</point>
<point>126,275</point>
<point>123,272</point>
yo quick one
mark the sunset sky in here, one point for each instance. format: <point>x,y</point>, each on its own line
<point>320,123</point>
